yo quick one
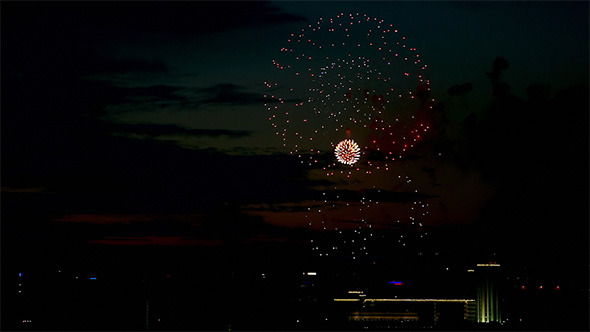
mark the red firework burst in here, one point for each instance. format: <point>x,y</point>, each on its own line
<point>347,152</point>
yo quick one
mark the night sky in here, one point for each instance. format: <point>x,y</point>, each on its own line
<point>141,124</point>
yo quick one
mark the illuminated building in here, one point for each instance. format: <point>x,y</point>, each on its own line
<point>381,316</point>
<point>488,293</point>
<point>417,313</point>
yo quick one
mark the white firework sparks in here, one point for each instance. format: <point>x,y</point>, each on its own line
<point>347,152</point>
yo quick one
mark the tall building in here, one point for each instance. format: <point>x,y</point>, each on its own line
<point>488,279</point>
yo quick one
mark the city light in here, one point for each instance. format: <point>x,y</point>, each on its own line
<point>407,300</point>
<point>419,300</point>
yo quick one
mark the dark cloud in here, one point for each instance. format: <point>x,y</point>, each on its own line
<point>86,61</point>
<point>460,89</point>
<point>287,207</point>
<point>103,173</point>
<point>313,199</point>
<point>232,94</point>
<point>157,92</point>
<point>107,94</point>
<point>155,241</point>
<point>52,54</point>
<point>146,98</point>
<point>377,195</point>
<point>53,137</point>
<point>158,130</point>
<point>68,39</point>
<point>130,65</point>
<point>224,224</point>
<point>101,20</point>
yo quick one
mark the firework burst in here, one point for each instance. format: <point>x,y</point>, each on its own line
<point>347,152</point>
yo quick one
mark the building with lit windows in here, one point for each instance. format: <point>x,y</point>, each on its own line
<point>411,313</point>
<point>488,279</point>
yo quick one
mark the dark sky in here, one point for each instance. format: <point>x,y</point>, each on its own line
<point>145,123</point>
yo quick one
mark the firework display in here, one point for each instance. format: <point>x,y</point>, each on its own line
<point>360,225</point>
<point>350,74</point>
<point>347,152</point>
<point>351,100</point>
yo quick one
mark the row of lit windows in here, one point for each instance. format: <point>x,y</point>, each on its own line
<point>406,300</point>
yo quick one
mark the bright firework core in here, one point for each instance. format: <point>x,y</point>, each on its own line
<point>347,152</point>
